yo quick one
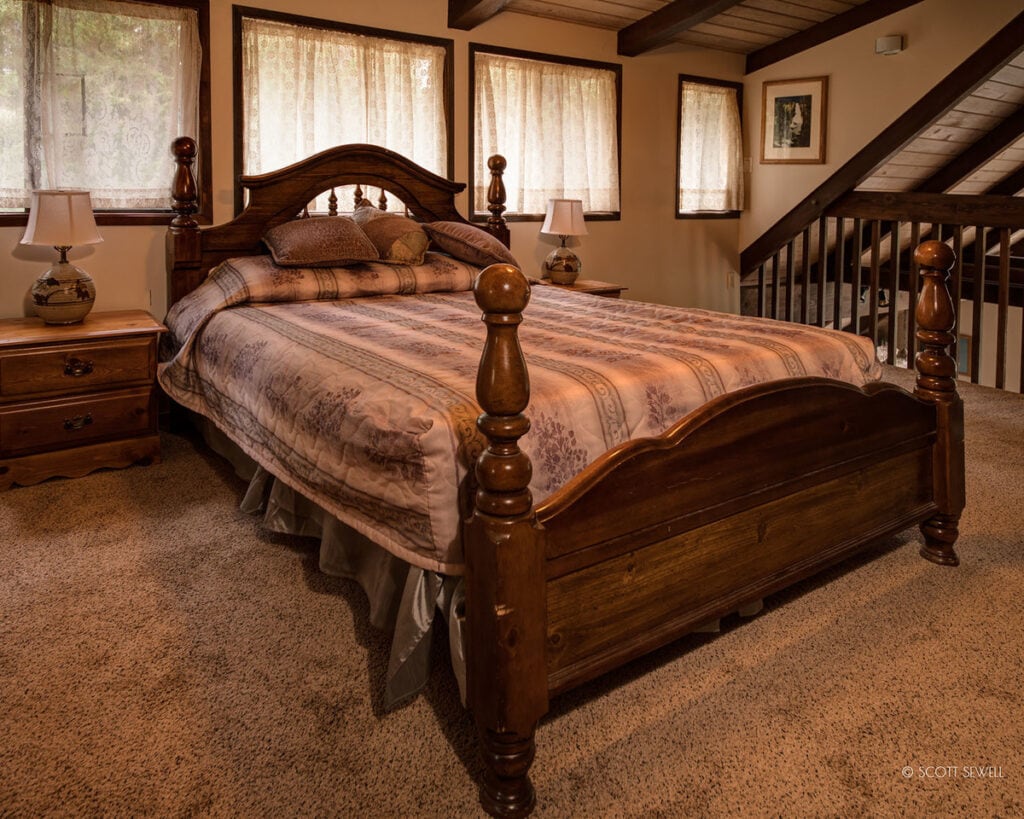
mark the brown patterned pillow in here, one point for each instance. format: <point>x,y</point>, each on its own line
<point>398,239</point>
<point>468,243</point>
<point>319,241</point>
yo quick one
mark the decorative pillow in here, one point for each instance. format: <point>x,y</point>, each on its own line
<point>319,241</point>
<point>468,243</point>
<point>398,239</point>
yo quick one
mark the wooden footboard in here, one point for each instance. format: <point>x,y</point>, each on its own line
<point>756,490</point>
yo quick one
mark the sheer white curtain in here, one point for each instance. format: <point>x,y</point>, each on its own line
<point>93,92</point>
<point>556,124</point>
<point>710,149</point>
<point>307,89</point>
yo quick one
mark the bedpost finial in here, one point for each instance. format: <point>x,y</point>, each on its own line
<point>184,147</point>
<point>501,288</point>
<point>497,164</point>
<point>184,193</point>
<point>935,255</point>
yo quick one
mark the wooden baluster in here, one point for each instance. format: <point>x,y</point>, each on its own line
<point>978,303</point>
<point>855,262</point>
<point>1003,306</point>
<point>822,267</point>
<point>912,289</point>
<point>775,285</point>
<point>875,278</point>
<point>894,290</point>
<point>790,269</point>
<point>332,203</point>
<point>506,673</point>
<point>382,200</point>
<point>760,290</point>
<point>838,271</point>
<point>936,383</point>
<point>357,195</point>
<point>805,278</point>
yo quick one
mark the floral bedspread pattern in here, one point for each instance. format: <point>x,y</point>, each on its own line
<point>356,386</point>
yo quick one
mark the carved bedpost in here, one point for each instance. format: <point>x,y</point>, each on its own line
<point>936,383</point>
<point>496,224</point>
<point>182,242</point>
<point>506,674</point>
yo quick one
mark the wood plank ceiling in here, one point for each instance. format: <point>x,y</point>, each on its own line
<point>765,30</point>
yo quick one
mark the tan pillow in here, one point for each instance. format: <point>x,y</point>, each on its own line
<point>468,243</point>
<point>398,239</point>
<point>319,241</point>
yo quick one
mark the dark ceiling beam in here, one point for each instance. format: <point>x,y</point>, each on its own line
<point>468,14</point>
<point>960,82</point>
<point>964,164</point>
<point>824,31</point>
<point>661,27</point>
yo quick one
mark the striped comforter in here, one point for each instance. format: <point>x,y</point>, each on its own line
<point>356,386</point>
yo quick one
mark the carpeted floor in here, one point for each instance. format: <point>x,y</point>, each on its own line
<point>161,655</point>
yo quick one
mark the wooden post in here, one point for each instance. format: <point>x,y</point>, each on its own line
<point>936,382</point>
<point>182,239</point>
<point>506,676</point>
<point>496,224</point>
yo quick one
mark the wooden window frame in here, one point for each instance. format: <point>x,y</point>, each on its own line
<point>203,161</point>
<point>693,78</point>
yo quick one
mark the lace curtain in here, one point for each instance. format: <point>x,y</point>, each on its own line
<point>93,92</point>
<point>307,89</point>
<point>557,126</point>
<point>710,149</point>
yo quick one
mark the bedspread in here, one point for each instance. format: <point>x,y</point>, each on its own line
<point>366,405</point>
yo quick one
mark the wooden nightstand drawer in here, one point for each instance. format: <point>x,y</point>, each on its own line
<point>74,368</point>
<point>46,425</point>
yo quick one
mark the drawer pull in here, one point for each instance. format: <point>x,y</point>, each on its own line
<point>76,367</point>
<point>78,422</point>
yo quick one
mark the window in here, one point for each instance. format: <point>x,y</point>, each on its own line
<point>557,123</point>
<point>710,171</point>
<point>92,93</point>
<point>308,84</point>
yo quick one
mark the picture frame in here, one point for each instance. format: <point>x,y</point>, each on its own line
<point>794,114</point>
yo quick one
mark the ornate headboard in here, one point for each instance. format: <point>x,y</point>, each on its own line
<point>282,195</point>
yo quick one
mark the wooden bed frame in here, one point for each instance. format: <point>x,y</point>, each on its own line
<point>752,492</point>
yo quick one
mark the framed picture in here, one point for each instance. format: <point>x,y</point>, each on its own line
<point>793,124</point>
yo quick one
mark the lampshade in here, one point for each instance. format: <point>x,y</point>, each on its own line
<point>64,294</point>
<point>564,218</point>
<point>61,218</point>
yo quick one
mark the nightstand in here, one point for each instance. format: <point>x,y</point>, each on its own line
<point>77,397</point>
<point>612,291</point>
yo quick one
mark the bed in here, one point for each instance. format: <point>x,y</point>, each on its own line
<point>605,548</point>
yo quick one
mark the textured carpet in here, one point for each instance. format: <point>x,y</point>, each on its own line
<point>160,654</point>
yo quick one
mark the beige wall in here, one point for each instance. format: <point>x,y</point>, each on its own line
<point>658,257</point>
<point>867,91</point>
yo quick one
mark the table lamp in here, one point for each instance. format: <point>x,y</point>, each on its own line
<point>64,294</point>
<point>564,218</point>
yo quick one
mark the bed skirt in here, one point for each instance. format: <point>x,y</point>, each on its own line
<point>404,600</point>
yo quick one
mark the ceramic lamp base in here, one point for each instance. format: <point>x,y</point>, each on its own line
<point>64,294</point>
<point>562,266</point>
